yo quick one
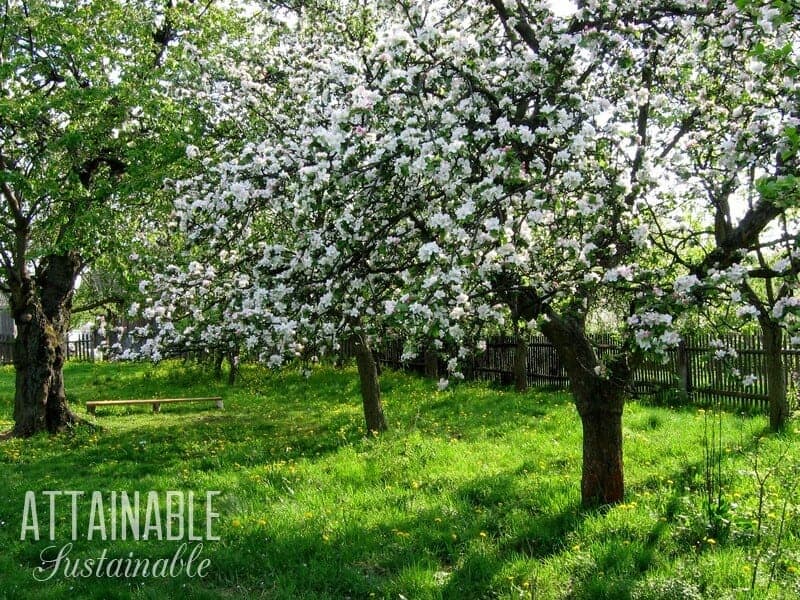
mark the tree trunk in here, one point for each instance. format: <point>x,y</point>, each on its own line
<point>776,383</point>
<point>41,310</point>
<point>521,364</point>
<point>600,400</point>
<point>602,480</point>
<point>431,363</point>
<point>219,356</point>
<point>370,386</point>
<point>233,363</point>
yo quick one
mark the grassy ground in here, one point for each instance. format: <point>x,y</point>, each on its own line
<point>472,494</point>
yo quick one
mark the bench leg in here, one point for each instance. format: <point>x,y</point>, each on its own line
<point>156,407</point>
<point>90,409</point>
<point>220,404</point>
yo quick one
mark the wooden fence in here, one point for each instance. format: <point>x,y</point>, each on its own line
<point>81,348</point>
<point>689,372</point>
<point>6,350</point>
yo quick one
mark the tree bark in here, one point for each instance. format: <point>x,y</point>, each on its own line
<point>521,364</point>
<point>233,363</point>
<point>370,386</point>
<point>772,335</point>
<point>219,356</point>
<point>41,310</point>
<point>431,363</point>
<point>599,400</point>
<point>602,479</point>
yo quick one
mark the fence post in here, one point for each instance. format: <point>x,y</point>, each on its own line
<point>684,368</point>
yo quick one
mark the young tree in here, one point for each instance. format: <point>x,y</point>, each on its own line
<point>231,284</point>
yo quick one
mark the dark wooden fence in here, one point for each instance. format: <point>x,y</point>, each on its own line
<point>689,373</point>
<point>6,350</point>
<point>83,347</point>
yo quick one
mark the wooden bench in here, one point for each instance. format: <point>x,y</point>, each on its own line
<point>156,402</point>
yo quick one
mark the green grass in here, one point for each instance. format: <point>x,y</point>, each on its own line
<point>474,493</point>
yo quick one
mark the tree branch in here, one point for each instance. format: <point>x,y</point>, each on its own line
<point>521,26</point>
<point>99,303</point>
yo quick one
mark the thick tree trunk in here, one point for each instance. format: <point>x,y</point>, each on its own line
<point>521,364</point>
<point>41,311</point>
<point>370,386</point>
<point>776,377</point>
<point>599,400</point>
<point>34,361</point>
<point>602,480</point>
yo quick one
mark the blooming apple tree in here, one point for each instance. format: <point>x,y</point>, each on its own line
<point>428,165</point>
<point>736,168</point>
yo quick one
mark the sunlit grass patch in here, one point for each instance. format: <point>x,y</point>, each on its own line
<point>474,492</point>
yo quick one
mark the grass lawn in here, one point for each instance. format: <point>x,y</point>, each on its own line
<point>474,493</point>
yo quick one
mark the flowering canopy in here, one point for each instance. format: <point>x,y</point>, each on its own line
<point>419,161</point>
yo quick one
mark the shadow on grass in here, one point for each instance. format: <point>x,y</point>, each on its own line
<point>453,549</point>
<point>453,542</point>
<point>290,418</point>
<point>167,443</point>
<point>610,580</point>
<point>618,565</point>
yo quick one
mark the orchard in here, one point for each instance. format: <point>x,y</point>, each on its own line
<point>437,170</point>
<point>286,186</point>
